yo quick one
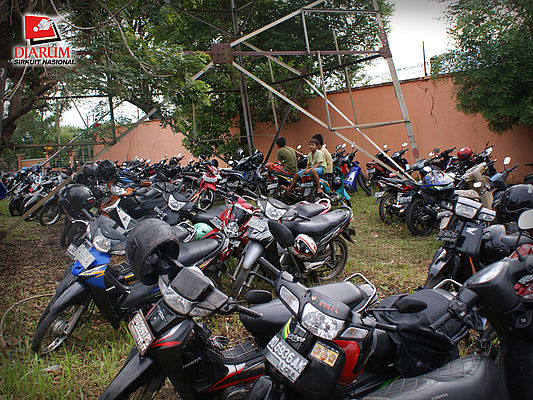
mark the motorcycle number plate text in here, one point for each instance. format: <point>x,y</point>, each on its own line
<point>379,194</point>
<point>284,358</point>
<point>217,222</point>
<point>324,354</point>
<point>257,223</point>
<point>272,186</point>
<point>370,170</point>
<point>80,254</point>
<point>142,336</point>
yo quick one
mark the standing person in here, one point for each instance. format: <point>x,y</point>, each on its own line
<point>329,161</point>
<point>286,155</point>
<point>315,166</point>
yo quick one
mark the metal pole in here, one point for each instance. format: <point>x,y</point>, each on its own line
<point>111,111</point>
<point>396,84</point>
<point>324,89</point>
<point>347,77</point>
<point>305,32</point>
<point>272,96</point>
<point>194,120</point>
<point>424,57</point>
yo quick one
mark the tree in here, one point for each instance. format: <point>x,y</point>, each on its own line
<point>492,66</point>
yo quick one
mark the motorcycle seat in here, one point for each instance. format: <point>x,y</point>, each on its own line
<point>320,225</point>
<point>470,377</point>
<point>308,210</point>
<point>196,250</point>
<point>276,314</point>
<point>208,215</point>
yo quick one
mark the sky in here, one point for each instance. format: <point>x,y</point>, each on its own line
<point>413,21</point>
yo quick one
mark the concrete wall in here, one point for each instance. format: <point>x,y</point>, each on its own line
<point>148,140</point>
<point>431,107</point>
<point>436,123</point>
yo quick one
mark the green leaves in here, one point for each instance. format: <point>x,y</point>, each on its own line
<point>493,63</point>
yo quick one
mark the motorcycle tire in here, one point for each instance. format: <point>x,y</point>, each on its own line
<point>385,209</point>
<point>150,389</point>
<point>53,326</point>
<point>365,184</point>
<point>241,278</point>
<point>50,214</point>
<point>206,199</point>
<point>338,251</point>
<point>64,233</point>
<point>417,220</point>
<point>14,208</point>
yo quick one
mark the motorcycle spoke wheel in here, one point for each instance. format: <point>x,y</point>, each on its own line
<point>387,211</point>
<point>336,257</point>
<point>149,390</point>
<point>365,184</point>
<point>50,215</point>
<point>55,328</point>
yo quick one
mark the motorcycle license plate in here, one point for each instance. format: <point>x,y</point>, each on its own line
<point>405,199</point>
<point>447,236</point>
<point>377,195</point>
<point>142,335</point>
<point>217,222</point>
<point>370,170</point>
<point>272,186</point>
<point>284,358</point>
<point>307,184</point>
<point>257,223</point>
<point>80,254</point>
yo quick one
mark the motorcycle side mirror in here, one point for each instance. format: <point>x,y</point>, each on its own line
<point>506,160</point>
<point>427,168</point>
<point>338,147</point>
<point>298,147</point>
<point>525,221</point>
<point>148,161</point>
<point>477,185</point>
<point>404,144</point>
<point>436,150</point>
<point>431,154</point>
<point>353,146</point>
<point>488,151</point>
<point>179,155</point>
<point>257,296</point>
<point>231,162</point>
<point>344,145</point>
<point>385,147</point>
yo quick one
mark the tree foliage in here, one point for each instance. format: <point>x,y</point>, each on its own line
<point>492,66</point>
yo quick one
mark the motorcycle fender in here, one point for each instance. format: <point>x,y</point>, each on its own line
<point>134,373</point>
<point>264,388</point>
<point>443,263</point>
<point>74,293</point>
<point>470,241</point>
<point>252,252</point>
<point>347,234</point>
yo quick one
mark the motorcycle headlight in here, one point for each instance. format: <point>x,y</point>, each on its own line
<point>274,212</point>
<point>232,229</point>
<point>174,204</point>
<point>320,324</point>
<point>487,215</point>
<point>289,299</point>
<point>101,243</point>
<point>117,190</point>
<point>173,299</point>
<point>465,210</point>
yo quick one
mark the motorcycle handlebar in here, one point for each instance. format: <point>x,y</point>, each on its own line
<point>247,311</point>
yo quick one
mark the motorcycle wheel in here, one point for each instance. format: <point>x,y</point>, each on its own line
<point>14,208</point>
<point>65,232</point>
<point>206,199</point>
<point>418,222</point>
<point>337,251</point>
<point>385,209</point>
<point>55,328</point>
<point>238,285</point>
<point>364,184</point>
<point>49,214</point>
<point>150,389</point>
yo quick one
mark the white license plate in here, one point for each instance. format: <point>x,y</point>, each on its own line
<point>80,254</point>
<point>257,223</point>
<point>142,335</point>
<point>272,186</point>
<point>370,170</point>
<point>379,194</point>
<point>308,184</point>
<point>217,222</point>
<point>404,199</point>
<point>284,358</point>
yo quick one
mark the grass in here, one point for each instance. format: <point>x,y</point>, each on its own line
<point>32,262</point>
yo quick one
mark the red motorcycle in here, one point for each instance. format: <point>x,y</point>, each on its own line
<point>204,197</point>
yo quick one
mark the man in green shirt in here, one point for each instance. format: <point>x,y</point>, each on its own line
<point>315,166</point>
<point>329,161</point>
<point>286,155</point>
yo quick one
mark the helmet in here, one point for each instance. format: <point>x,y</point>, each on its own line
<point>150,240</point>
<point>202,229</point>
<point>106,170</point>
<point>88,169</point>
<point>464,153</point>
<point>304,247</point>
<point>336,182</point>
<point>76,198</point>
<point>514,200</point>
